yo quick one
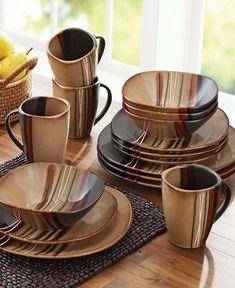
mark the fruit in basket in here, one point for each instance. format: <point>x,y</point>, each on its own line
<point>12,62</point>
<point>6,45</point>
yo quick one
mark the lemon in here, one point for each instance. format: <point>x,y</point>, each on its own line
<point>10,63</point>
<point>6,45</point>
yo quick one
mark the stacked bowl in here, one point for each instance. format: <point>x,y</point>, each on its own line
<point>168,118</point>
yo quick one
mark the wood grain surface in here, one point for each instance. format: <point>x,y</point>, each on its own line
<point>159,263</point>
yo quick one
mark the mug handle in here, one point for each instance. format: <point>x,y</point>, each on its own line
<point>107,104</point>
<point>224,204</point>
<point>9,130</point>
<point>101,46</point>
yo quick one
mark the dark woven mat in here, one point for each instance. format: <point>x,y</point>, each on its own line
<point>17,271</point>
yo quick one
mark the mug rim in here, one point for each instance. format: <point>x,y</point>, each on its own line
<point>169,170</point>
<point>75,60</point>
<point>21,111</point>
<point>96,82</point>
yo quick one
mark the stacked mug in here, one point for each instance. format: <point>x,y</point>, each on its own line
<point>73,55</point>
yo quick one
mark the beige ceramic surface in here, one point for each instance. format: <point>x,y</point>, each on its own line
<point>170,91</point>
<point>100,242</point>
<point>49,196</point>
<point>44,123</point>
<point>165,128</point>
<point>170,155</point>
<point>189,208</point>
<point>170,116</point>
<point>94,222</point>
<point>148,157</point>
<point>210,134</point>
<point>78,72</point>
<point>83,102</point>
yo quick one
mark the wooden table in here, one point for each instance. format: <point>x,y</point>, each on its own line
<point>159,263</point>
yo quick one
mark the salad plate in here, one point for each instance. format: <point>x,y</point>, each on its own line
<point>102,241</point>
<point>93,223</point>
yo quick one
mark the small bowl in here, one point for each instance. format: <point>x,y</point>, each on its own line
<point>170,91</point>
<point>48,195</point>
<point>171,116</point>
<point>167,129</point>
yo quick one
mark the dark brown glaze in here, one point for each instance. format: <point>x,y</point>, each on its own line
<point>196,189</point>
<point>133,136</point>
<point>64,195</point>
<point>98,219</point>
<point>116,231</point>
<point>177,92</point>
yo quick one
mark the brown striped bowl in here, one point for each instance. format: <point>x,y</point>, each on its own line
<point>170,92</point>
<point>165,128</point>
<point>48,195</point>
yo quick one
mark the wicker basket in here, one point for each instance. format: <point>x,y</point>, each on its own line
<point>12,94</point>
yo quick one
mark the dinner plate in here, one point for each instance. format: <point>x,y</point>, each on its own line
<point>94,222</point>
<point>226,157</point>
<point>222,160</point>
<point>111,154</point>
<point>124,175</point>
<point>208,135</point>
<point>149,157</point>
<point>195,153</point>
<point>99,242</point>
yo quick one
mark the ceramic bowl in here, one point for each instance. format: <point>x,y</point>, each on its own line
<point>171,116</point>
<point>170,91</point>
<point>167,129</point>
<point>48,195</point>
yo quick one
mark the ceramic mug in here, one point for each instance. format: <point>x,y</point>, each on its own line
<point>83,102</point>
<point>72,54</point>
<point>44,124</point>
<point>190,195</point>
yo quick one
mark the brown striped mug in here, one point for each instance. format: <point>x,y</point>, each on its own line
<point>190,196</point>
<point>44,125</point>
<point>73,55</point>
<point>83,102</point>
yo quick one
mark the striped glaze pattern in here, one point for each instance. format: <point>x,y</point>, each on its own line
<point>116,231</point>
<point>44,124</point>
<point>149,173</point>
<point>190,196</point>
<point>94,222</point>
<point>211,133</point>
<point>72,54</point>
<point>46,195</point>
<point>170,91</point>
<point>165,128</point>
<point>83,102</point>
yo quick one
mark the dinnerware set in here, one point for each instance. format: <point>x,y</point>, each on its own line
<point>155,130</point>
<point>73,55</point>
<point>55,211</point>
<point>49,209</point>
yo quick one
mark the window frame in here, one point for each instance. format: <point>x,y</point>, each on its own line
<point>175,47</point>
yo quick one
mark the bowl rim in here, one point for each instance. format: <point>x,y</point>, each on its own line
<point>3,178</point>
<point>188,108</point>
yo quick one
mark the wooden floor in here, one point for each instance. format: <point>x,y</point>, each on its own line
<point>159,263</point>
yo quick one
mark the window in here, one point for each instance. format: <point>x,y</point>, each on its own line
<point>140,34</point>
<point>218,54</point>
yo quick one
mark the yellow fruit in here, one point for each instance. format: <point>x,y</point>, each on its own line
<point>10,63</point>
<point>6,45</point>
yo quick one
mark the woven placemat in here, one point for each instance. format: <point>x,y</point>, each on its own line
<point>17,271</point>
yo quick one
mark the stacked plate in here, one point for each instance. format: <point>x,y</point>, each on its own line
<point>129,149</point>
<point>62,212</point>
